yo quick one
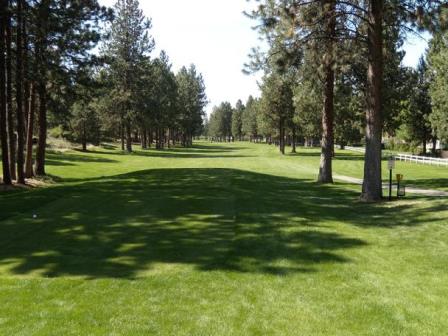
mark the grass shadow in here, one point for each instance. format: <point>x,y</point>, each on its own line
<point>174,154</point>
<point>109,146</point>
<point>211,219</point>
<point>65,159</point>
<point>431,183</point>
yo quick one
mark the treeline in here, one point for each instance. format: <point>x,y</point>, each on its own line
<point>289,112</point>
<point>43,44</point>
<point>147,100</point>
<point>85,72</point>
<point>343,58</point>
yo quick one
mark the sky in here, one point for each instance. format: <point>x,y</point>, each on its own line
<point>217,38</point>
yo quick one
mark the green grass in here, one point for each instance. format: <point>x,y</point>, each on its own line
<point>422,176</point>
<point>220,239</point>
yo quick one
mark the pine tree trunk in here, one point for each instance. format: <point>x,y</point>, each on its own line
<point>84,137</point>
<point>372,186</point>
<point>282,135</point>
<point>434,145</point>
<point>29,134</point>
<point>326,158</point>
<point>424,146</point>
<point>39,169</point>
<point>41,47</point>
<point>3,111</point>
<point>128,137</point>
<point>165,138</point>
<point>293,143</point>
<point>26,77</point>
<point>168,137</point>
<point>122,135</point>
<point>10,110</point>
<point>161,138</point>
<point>144,139</point>
<point>327,144</point>
<point>19,98</point>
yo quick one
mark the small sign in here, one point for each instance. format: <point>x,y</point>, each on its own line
<point>391,163</point>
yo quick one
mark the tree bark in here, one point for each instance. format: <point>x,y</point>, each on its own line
<point>128,137</point>
<point>42,132</point>
<point>150,137</point>
<point>372,185</point>
<point>122,136</point>
<point>19,97</point>
<point>31,115</point>
<point>10,110</point>
<point>434,145</point>
<point>293,140</point>
<point>327,145</point>
<point>41,45</point>
<point>326,157</point>
<point>424,146</point>
<point>84,137</point>
<point>144,138</point>
<point>3,112</point>
<point>26,70</point>
<point>282,135</point>
<point>174,137</point>
<point>29,134</point>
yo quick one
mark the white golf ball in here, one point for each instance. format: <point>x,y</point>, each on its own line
<point>34,216</point>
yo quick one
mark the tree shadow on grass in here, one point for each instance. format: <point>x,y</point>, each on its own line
<point>57,163</point>
<point>211,219</point>
<point>338,156</point>
<point>175,154</point>
<point>65,159</point>
<point>109,146</point>
<point>436,183</point>
<point>345,157</point>
<point>195,151</point>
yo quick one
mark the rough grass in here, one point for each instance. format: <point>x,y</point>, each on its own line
<point>219,239</point>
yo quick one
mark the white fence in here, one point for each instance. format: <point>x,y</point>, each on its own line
<point>406,157</point>
<point>356,149</point>
<point>422,159</point>
<point>384,153</point>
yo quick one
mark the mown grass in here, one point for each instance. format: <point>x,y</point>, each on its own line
<point>219,239</point>
<point>421,176</point>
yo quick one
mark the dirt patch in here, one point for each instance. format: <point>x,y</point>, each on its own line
<point>30,184</point>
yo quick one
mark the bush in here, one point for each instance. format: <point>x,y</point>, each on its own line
<point>57,132</point>
<point>399,146</point>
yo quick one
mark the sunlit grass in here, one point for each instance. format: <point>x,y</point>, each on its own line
<point>220,239</point>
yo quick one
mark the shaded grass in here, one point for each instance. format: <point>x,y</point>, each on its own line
<point>223,229</point>
<point>235,241</point>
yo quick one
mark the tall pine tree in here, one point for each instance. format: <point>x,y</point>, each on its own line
<point>129,44</point>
